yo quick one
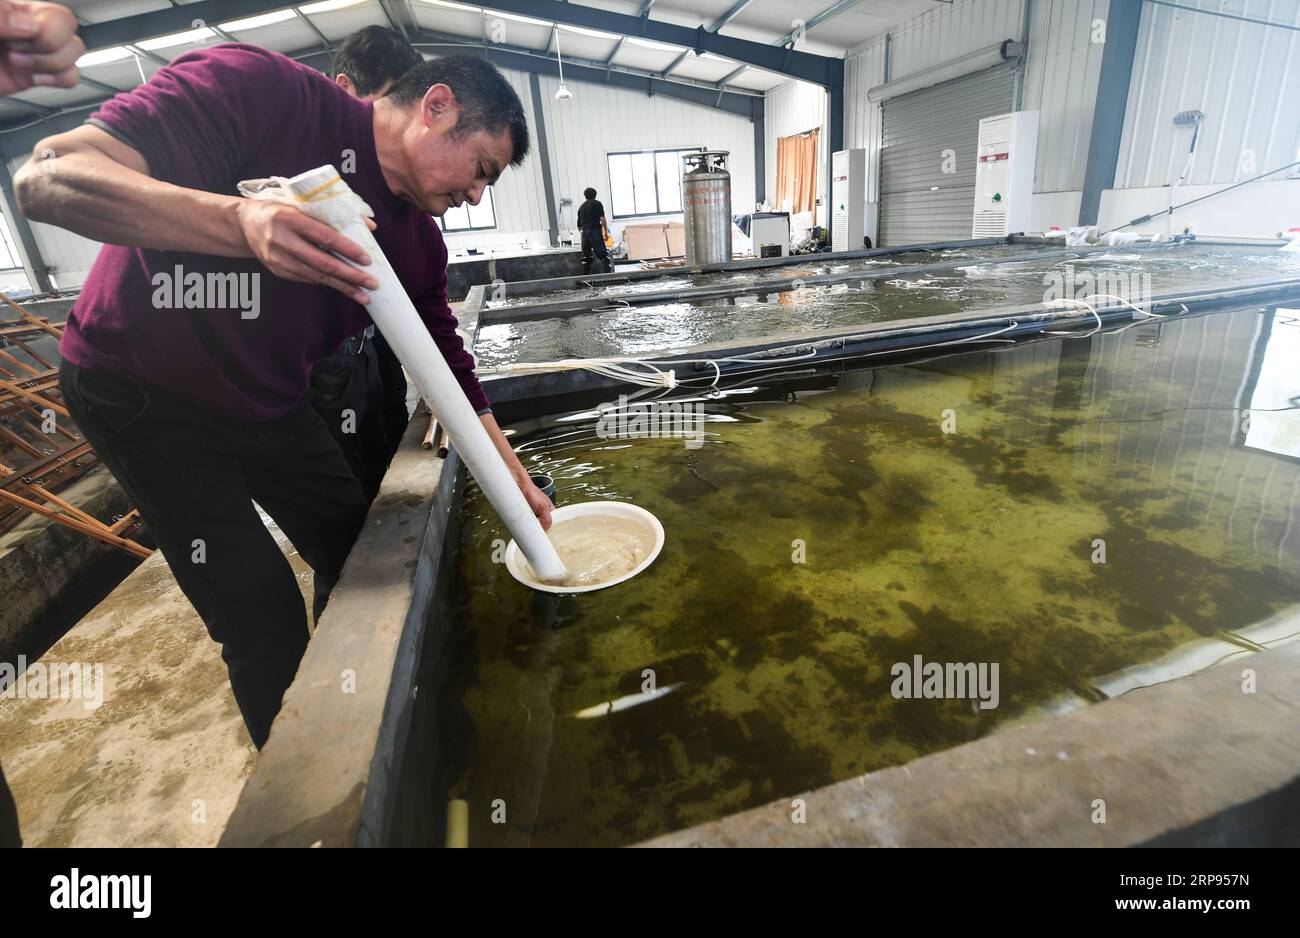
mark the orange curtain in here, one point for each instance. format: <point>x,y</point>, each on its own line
<point>796,171</point>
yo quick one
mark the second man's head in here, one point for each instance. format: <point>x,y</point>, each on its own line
<point>370,60</point>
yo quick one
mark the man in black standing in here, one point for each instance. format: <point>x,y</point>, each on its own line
<point>591,222</point>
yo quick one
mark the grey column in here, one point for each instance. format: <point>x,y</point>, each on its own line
<point>1112,101</point>
<point>37,270</point>
<point>544,154</point>
<point>834,126</point>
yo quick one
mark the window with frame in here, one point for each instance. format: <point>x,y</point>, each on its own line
<point>646,182</point>
<point>13,276</point>
<point>10,259</point>
<point>471,217</point>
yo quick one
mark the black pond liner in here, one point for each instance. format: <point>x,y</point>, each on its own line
<point>526,395</point>
<point>579,305</point>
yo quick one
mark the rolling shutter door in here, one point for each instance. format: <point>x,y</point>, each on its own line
<point>919,202</point>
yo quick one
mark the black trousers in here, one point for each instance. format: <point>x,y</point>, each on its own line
<point>8,816</point>
<point>347,391</point>
<point>593,242</point>
<point>194,477</point>
<point>393,380</point>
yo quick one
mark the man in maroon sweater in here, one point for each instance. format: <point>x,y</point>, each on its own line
<point>187,356</point>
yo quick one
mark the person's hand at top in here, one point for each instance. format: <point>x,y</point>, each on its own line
<point>38,46</point>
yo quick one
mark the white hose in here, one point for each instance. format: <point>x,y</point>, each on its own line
<point>1083,304</point>
<point>655,377</point>
<point>652,376</point>
<point>326,197</point>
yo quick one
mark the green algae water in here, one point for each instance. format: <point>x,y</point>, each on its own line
<point>823,529</point>
<point>987,281</point>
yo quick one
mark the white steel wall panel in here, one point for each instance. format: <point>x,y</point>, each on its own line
<point>599,119</point>
<point>1060,82</point>
<point>948,33</point>
<point>794,108</point>
<point>1245,77</point>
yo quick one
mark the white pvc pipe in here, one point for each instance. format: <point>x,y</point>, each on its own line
<point>322,194</point>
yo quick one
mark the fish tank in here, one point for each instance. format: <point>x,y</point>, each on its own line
<point>1061,519</point>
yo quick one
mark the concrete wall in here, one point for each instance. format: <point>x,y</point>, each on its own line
<point>331,773</point>
<point>1260,210</point>
<point>48,571</point>
<point>351,767</point>
<point>1193,762</point>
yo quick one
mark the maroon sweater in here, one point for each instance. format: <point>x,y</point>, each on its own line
<point>211,118</point>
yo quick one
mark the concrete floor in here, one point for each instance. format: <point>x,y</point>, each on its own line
<point>162,761</point>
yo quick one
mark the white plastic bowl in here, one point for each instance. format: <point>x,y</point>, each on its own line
<point>518,566</point>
